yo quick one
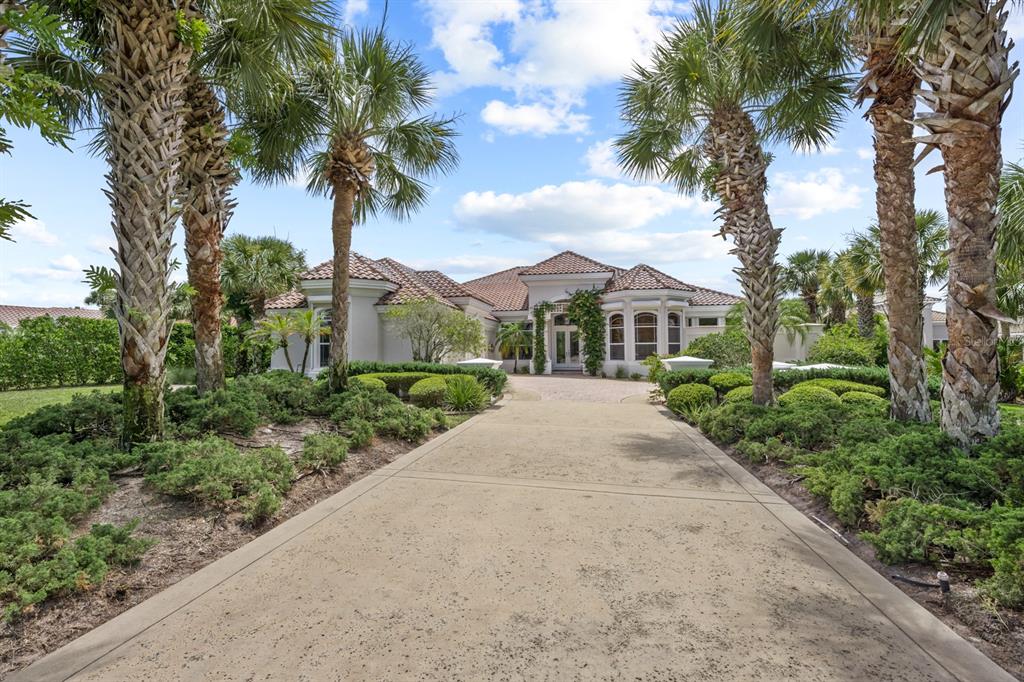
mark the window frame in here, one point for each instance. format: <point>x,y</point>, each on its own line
<point>620,345</point>
<point>676,330</point>
<point>644,349</point>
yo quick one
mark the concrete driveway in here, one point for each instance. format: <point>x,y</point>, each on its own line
<point>542,540</point>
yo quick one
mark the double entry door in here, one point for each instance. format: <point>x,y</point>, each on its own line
<point>567,348</point>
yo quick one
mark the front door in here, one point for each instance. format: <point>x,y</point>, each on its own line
<point>567,349</point>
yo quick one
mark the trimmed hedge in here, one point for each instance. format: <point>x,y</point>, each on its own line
<point>370,381</point>
<point>669,380</point>
<point>807,395</point>
<point>428,392</point>
<point>493,379</point>
<point>689,396</point>
<point>727,381</point>
<point>740,394</point>
<point>866,399</point>
<point>841,386</point>
<point>398,383</point>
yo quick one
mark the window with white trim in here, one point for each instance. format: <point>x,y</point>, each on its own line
<point>616,337</point>
<point>702,321</point>
<point>325,338</point>
<point>645,334</point>
<point>675,333</point>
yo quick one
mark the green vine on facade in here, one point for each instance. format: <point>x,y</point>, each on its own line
<point>540,357</point>
<point>585,312</point>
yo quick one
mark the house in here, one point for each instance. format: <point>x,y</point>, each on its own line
<point>647,310</point>
<point>933,328</point>
<point>12,315</point>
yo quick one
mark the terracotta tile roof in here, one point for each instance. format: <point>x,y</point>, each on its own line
<point>446,286</point>
<point>939,316</point>
<point>706,296</point>
<point>567,263</point>
<point>411,287</point>
<point>12,315</point>
<point>645,277</point>
<point>359,267</point>
<point>504,289</point>
<point>287,301</point>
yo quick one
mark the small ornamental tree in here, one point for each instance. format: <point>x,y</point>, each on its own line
<point>585,312</point>
<point>436,330</point>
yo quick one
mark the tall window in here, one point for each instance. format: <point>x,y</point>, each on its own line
<point>645,332</point>
<point>616,337</point>
<point>325,338</point>
<point>674,333</point>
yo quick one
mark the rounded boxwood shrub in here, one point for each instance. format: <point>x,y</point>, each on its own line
<point>740,394</point>
<point>689,396</point>
<point>727,381</point>
<point>864,398</point>
<point>369,381</point>
<point>841,386</point>
<point>428,392</point>
<point>803,394</point>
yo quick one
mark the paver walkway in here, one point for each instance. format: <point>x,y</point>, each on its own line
<point>542,540</point>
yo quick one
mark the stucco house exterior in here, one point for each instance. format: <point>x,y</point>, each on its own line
<point>647,310</point>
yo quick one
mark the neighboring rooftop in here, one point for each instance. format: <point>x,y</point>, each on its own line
<point>12,315</point>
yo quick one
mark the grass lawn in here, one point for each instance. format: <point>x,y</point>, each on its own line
<point>16,403</point>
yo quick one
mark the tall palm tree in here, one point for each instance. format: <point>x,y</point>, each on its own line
<point>865,277</point>
<point>700,115</point>
<point>249,45</point>
<point>801,276</point>
<point>834,293</point>
<point>357,125</point>
<point>514,337</point>
<point>964,59</point>
<point>258,268</point>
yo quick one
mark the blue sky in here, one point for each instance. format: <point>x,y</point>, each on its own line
<point>536,84</point>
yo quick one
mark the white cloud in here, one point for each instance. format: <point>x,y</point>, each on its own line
<point>66,267</point>
<point>353,8</point>
<point>536,119</point>
<point>32,230</point>
<point>102,244</point>
<point>300,180</point>
<point>822,191</point>
<point>601,161</point>
<point>467,264</point>
<point>865,153</point>
<point>601,219</point>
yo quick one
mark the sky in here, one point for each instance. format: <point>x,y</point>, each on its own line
<point>535,83</point>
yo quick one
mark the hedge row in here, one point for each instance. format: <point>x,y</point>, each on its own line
<point>76,351</point>
<point>493,379</point>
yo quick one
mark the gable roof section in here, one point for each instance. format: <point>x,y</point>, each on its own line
<point>705,296</point>
<point>359,267</point>
<point>12,315</point>
<point>411,287</point>
<point>503,289</point>
<point>286,301</point>
<point>446,286</point>
<point>645,277</point>
<point>568,263</point>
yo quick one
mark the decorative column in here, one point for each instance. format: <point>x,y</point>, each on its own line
<point>627,318</point>
<point>663,327</point>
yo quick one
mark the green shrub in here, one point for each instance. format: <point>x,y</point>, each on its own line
<point>873,376</point>
<point>493,379</point>
<point>771,450</point>
<point>429,392</point>
<point>727,381</point>
<point>727,349</point>
<point>803,394</point>
<point>290,396</point>
<point>221,411</point>
<point>369,381</point>
<point>843,350</point>
<point>728,423</point>
<point>405,422</point>
<point>689,396</point>
<point>867,400</point>
<point>322,452</point>
<point>803,425</point>
<point>360,433</point>
<point>669,380</point>
<point>214,472</point>
<point>841,386</point>
<point>741,394</point>
<point>620,372</point>
<point>399,383</point>
<point>88,415</point>
<point>464,393</point>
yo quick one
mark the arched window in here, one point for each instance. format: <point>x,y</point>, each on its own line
<point>325,338</point>
<point>616,337</point>
<point>645,334</point>
<point>674,333</point>
<point>561,320</point>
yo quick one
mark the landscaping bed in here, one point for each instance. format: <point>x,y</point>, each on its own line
<point>902,496</point>
<point>88,530</point>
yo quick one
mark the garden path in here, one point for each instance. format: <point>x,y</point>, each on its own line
<point>544,539</point>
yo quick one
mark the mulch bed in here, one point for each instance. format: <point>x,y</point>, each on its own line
<point>997,632</point>
<point>187,539</point>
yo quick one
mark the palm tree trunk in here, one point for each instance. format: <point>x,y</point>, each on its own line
<point>287,358</point>
<point>741,187</point>
<point>207,181</point>
<point>970,78</point>
<point>341,233</point>
<point>891,82</point>
<point>144,69</point>
<point>866,315</point>
<point>811,301</point>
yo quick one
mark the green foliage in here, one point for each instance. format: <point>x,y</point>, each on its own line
<point>322,452</point>
<point>801,424</point>
<point>803,394</point>
<point>493,379</point>
<point>867,400</point>
<point>429,392</point>
<point>214,472</point>
<point>726,349</point>
<point>669,380</point>
<point>464,393</point>
<point>436,331</point>
<point>540,357</point>
<point>362,412</point>
<point>841,349</point>
<point>87,415</point>
<point>370,381</point>
<point>584,310</point>
<point>255,269</point>
<point>771,450</point>
<point>728,423</point>
<point>400,383</point>
<point>841,386</point>
<point>686,397</point>
<point>727,381</point>
<point>740,394</point>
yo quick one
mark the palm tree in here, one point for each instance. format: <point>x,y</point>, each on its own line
<point>279,328</point>
<point>246,49</point>
<point>256,269</point>
<point>793,318</point>
<point>1010,244</point>
<point>309,325</point>
<point>865,276</point>
<point>834,293</point>
<point>699,117</point>
<point>801,276</point>
<point>356,125</point>
<point>514,337</point>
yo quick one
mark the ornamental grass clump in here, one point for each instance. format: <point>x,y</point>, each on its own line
<point>464,394</point>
